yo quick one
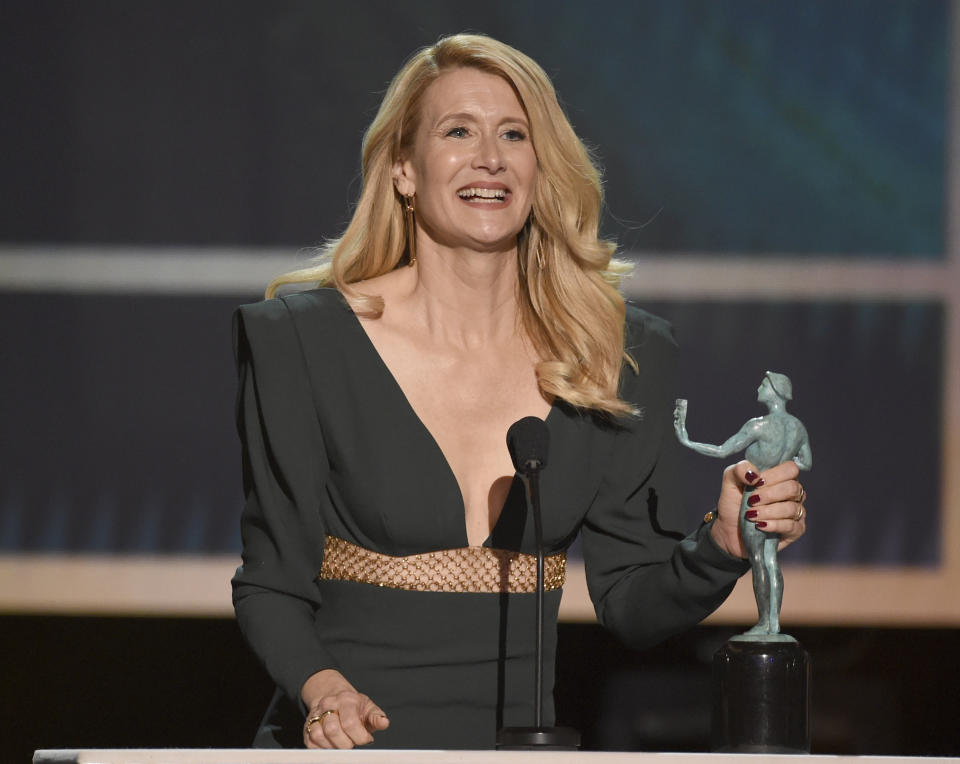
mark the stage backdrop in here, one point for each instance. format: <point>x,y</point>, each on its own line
<point>785,177</point>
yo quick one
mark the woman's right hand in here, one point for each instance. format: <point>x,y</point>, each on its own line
<point>338,716</point>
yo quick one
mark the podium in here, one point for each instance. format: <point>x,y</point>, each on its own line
<point>364,756</point>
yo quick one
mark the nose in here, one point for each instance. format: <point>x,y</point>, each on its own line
<point>489,156</point>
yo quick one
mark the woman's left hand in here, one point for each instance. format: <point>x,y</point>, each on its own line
<point>777,507</point>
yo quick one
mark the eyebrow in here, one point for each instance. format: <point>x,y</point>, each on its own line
<point>465,115</point>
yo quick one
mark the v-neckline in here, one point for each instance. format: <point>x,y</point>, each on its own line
<point>446,468</point>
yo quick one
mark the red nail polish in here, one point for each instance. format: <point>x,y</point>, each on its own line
<point>752,513</point>
<point>758,483</point>
<point>750,476</point>
<point>761,525</point>
<point>753,500</point>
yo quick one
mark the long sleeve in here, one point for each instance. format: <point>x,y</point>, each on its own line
<point>645,583</point>
<point>275,593</point>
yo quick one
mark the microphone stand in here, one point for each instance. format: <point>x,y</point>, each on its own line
<point>533,488</point>
<point>537,737</point>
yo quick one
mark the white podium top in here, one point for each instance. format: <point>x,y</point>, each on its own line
<point>362,756</point>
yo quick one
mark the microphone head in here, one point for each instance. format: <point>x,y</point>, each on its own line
<point>529,443</point>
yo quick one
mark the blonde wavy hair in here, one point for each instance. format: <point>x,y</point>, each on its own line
<point>570,305</point>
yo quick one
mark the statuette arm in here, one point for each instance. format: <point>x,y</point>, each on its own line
<point>732,445</point>
<point>804,458</point>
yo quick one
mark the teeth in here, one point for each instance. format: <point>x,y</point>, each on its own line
<point>486,194</point>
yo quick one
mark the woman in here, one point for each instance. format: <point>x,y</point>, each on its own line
<point>381,584</point>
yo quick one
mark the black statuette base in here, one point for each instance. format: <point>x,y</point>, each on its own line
<point>538,739</point>
<point>761,698</point>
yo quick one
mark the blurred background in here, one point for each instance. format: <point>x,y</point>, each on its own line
<point>785,177</point>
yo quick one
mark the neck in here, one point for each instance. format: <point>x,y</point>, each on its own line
<point>466,297</point>
<point>776,406</point>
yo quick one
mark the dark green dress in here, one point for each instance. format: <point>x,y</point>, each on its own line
<point>331,446</point>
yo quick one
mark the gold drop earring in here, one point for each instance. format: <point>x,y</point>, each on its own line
<point>411,231</point>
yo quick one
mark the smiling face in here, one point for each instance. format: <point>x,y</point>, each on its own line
<point>472,164</point>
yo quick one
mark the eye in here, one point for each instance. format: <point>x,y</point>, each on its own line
<point>457,132</point>
<point>515,135</point>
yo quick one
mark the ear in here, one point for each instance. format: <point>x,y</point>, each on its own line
<point>403,178</point>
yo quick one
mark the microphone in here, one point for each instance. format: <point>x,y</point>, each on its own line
<point>528,441</point>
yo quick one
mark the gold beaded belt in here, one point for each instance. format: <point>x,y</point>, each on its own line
<point>468,569</point>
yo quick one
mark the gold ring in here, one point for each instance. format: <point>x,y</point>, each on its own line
<point>801,496</point>
<point>318,719</point>
<point>800,513</point>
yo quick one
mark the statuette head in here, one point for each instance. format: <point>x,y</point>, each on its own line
<point>781,385</point>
